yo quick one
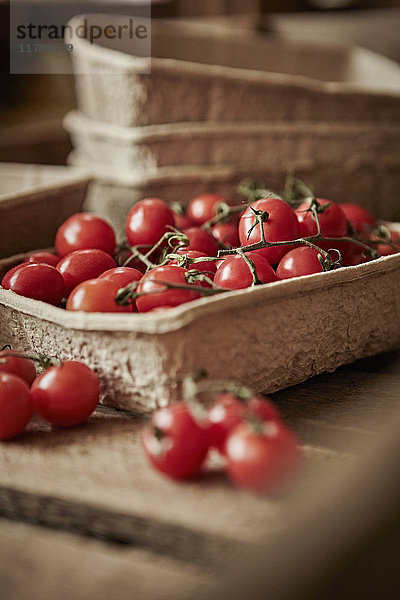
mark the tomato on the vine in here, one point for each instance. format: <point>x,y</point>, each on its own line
<point>226,234</point>
<point>207,266</point>
<point>360,217</point>
<point>175,442</point>
<point>37,281</point>
<point>97,295</point>
<point>204,207</point>
<point>155,291</point>
<point>302,260</point>
<point>16,405</point>
<point>262,456</point>
<point>201,240</point>
<point>123,276</point>
<point>84,231</point>
<point>41,256</point>
<point>234,273</point>
<point>148,221</point>
<point>15,363</point>
<point>66,395</point>
<point>82,265</point>
<point>280,225</point>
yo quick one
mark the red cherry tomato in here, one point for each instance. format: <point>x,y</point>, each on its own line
<point>302,260</point>
<point>262,458</point>
<point>66,395</point>
<point>204,207</point>
<point>228,411</point>
<point>182,221</point>
<point>96,295</point>
<point>16,406</point>
<point>123,276</point>
<point>82,265</point>
<point>226,234</point>
<point>156,293</point>
<point>281,225</point>
<point>235,274</point>
<point>147,222</point>
<point>37,281</point>
<point>175,443</point>
<point>360,217</point>
<point>83,231</point>
<point>207,267</point>
<point>386,249</point>
<point>17,365</point>
<point>48,258</point>
<point>201,240</point>
<point>357,259</point>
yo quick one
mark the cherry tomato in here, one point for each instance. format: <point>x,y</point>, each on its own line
<point>96,295</point>
<point>262,457</point>
<point>228,410</point>
<point>385,249</point>
<point>84,231</point>
<point>66,395</point>
<point>152,285</point>
<point>182,221</point>
<point>360,217</point>
<point>235,274</point>
<point>82,265</point>
<point>48,258</point>
<point>16,406</point>
<point>175,443</point>
<point>201,240</point>
<point>204,207</point>
<point>36,280</point>
<point>122,275</point>
<point>226,234</point>
<point>147,222</point>
<point>281,225</point>
<point>357,259</point>
<point>302,260</point>
<point>17,365</point>
<point>207,267</point>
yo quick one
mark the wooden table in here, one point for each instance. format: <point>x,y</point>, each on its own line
<point>83,515</point>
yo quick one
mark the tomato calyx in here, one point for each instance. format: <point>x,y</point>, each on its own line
<point>260,217</point>
<point>45,362</point>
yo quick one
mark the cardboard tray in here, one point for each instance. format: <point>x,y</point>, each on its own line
<point>268,337</point>
<point>224,75</point>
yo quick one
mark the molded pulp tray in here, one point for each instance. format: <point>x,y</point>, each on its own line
<point>148,148</point>
<point>268,337</point>
<point>34,201</point>
<point>198,75</point>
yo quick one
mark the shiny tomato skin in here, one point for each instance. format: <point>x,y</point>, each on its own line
<point>37,281</point>
<point>201,240</point>
<point>96,295</point>
<point>16,405</point>
<point>226,234</point>
<point>175,443</point>
<point>360,217</point>
<point>235,274</point>
<point>300,261</point>
<point>207,267</point>
<point>227,411</point>
<point>155,292</point>
<point>17,365</point>
<point>182,221</point>
<point>48,258</point>
<point>84,231</point>
<point>282,225</point>
<point>263,462</point>
<point>147,222</point>
<point>123,276</point>
<point>82,265</point>
<point>204,207</point>
<point>66,395</point>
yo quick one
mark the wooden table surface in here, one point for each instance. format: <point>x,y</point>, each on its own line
<point>82,515</point>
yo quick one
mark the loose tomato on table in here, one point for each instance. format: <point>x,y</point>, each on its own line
<point>67,394</point>
<point>16,405</point>
<point>155,291</point>
<point>148,221</point>
<point>262,457</point>
<point>97,295</point>
<point>280,224</point>
<point>234,273</point>
<point>81,265</point>
<point>37,281</point>
<point>85,231</point>
<point>17,364</point>
<point>175,442</point>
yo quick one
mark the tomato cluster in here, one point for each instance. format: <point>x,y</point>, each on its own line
<point>64,394</point>
<point>170,258</point>
<point>260,454</point>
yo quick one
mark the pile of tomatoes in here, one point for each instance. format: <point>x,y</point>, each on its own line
<point>65,394</point>
<point>170,257</point>
<point>259,452</point>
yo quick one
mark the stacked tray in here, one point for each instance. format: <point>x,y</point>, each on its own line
<point>218,108</point>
